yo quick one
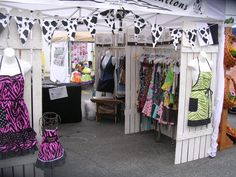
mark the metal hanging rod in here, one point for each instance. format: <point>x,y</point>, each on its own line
<point>116,47</point>
<point>160,47</point>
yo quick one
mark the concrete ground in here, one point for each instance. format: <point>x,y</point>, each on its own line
<point>100,149</point>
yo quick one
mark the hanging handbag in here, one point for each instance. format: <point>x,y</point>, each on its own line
<point>229,98</point>
<point>229,60</point>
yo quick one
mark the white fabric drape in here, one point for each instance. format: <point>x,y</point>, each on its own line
<point>219,93</point>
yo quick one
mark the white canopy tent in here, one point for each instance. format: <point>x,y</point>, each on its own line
<point>210,9</point>
<point>162,11</point>
<point>169,13</point>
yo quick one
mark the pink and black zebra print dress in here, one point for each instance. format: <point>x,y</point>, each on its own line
<point>51,152</point>
<point>16,135</point>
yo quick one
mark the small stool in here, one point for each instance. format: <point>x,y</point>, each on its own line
<point>107,106</point>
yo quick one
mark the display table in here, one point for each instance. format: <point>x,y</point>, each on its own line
<point>107,107</point>
<point>69,108</point>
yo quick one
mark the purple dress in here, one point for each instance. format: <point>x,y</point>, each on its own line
<point>16,135</point>
<point>51,152</point>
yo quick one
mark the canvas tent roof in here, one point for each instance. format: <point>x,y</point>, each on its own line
<point>161,12</point>
<point>213,9</point>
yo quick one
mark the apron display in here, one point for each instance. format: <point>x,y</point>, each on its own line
<point>16,135</point>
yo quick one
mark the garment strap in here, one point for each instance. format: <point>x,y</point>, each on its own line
<point>198,73</point>
<point>107,62</point>
<point>17,63</point>
<point>209,64</point>
<point>1,63</point>
<point>101,68</point>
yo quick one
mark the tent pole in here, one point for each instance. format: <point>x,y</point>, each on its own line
<point>131,18</point>
<point>80,13</point>
<point>78,9</point>
<point>64,8</point>
<point>24,9</point>
<point>5,5</point>
<point>93,11</point>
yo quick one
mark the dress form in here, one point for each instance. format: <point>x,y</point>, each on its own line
<point>14,112</point>
<point>107,57</point>
<point>9,65</point>
<point>203,64</point>
<point>105,60</point>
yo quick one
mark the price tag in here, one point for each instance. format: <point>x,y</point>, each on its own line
<point>58,92</point>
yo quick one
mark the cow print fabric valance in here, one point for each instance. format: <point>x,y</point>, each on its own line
<point>25,25</point>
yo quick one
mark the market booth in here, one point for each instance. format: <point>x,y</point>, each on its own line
<point>174,31</point>
<point>68,75</point>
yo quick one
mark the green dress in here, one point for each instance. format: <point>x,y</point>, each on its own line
<point>200,101</point>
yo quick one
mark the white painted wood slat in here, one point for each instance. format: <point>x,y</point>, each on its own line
<point>128,90</point>
<point>37,90</point>
<point>7,171</point>
<point>196,148</point>
<point>202,146</point>
<point>182,95</point>
<point>132,89</point>
<point>18,171</point>
<point>190,149</point>
<point>208,145</point>
<point>187,90</point>
<point>137,115</point>
<point>197,49</point>
<point>39,172</point>
<point>29,170</point>
<point>195,133</point>
<point>178,151</point>
<point>26,56</point>
<point>184,155</point>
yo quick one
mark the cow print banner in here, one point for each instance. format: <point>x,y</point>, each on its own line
<point>197,6</point>
<point>48,28</point>
<point>70,25</point>
<point>191,35</point>
<point>24,27</point>
<point>4,20</point>
<point>205,34</point>
<point>91,22</point>
<point>139,24</point>
<point>120,15</point>
<point>109,18</point>
<point>156,33</point>
<point>176,35</point>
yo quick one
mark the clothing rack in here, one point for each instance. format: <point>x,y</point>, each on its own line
<point>160,47</point>
<point>116,47</point>
<point>162,123</point>
<point>160,58</point>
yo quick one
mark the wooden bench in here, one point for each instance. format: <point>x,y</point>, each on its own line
<point>107,106</point>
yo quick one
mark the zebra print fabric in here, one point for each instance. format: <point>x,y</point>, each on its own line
<point>16,135</point>
<point>51,149</point>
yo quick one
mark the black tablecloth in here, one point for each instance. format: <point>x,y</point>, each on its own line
<point>69,108</point>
